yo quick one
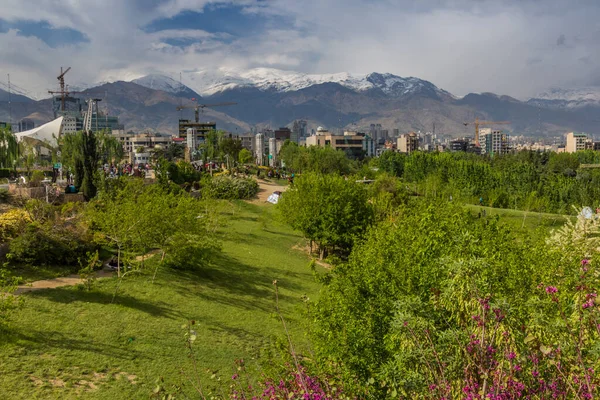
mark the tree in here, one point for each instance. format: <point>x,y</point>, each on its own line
<point>328,210</point>
<point>9,148</point>
<point>90,164</point>
<point>245,156</point>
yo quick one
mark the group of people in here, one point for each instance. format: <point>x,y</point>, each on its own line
<point>114,170</point>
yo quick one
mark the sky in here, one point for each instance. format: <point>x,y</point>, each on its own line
<point>513,47</point>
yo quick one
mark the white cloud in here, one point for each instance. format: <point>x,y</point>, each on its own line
<point>517,47</point>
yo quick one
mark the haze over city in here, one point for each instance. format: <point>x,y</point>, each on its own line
<point>517,48</point>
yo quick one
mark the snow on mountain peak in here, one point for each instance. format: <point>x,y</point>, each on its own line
<point>209,82</point>
<point>159,82</point>
<point>568,98</point>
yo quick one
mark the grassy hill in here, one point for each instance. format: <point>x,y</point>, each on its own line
<point>69,343</point>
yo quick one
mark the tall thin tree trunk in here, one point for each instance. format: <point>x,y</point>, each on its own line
<point>162,258</point>
<point>119,261</point>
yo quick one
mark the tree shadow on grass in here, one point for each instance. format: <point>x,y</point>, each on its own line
<point>234,283</point>
<point>53,339</point>
<point>72,295</point>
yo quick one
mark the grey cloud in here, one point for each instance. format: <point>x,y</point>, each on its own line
<point>460,45</point>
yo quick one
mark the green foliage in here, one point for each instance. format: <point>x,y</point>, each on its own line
<point>323,160</point>
<point>48,244</point>
<point>4,196</point>
<point>327,209</point>
<point>135,217</point>
<point>245,156</point>
<point>429,265</point>
<point>37,177</point>
<point>531,181</point>
<point>87,273</point>
<point>90,164</point>
<point>229,188</point>
<point>9,149</point>
<point>8,302</point>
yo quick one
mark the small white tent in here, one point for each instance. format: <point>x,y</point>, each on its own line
<point>45,134</point>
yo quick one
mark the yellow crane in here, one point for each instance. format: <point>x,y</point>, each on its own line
<point>197,107</point>
<point>479,122</point>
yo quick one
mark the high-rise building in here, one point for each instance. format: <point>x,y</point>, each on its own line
<point>299,131</point>
<point>408,143</point>
<point>575,142</point>
<point>282,134</point>
<point>202,128</point>
<point>259,148</point>
<point>494,142</point>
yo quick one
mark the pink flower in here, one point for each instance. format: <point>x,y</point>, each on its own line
<point>511,355</point>
<point>585,262</point>
<point>551,289</point>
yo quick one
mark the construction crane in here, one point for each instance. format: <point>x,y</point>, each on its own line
<point>87,119</point>
<point>197,107</point>
<point>478,123</point>
<point>63,92</point>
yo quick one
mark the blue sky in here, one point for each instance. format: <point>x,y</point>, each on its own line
<point>42,30</point>
<point>514,47</point>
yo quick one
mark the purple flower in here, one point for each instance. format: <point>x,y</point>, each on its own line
<point>585,262</point>
<point>511,355</point>
<point>551,289</point>
<point>234,377</point>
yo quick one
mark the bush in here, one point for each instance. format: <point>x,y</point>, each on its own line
<point>36,178</point>
<point>229,188</point>
<point>48,245</point>
<point>12,223</point>
<point>4,196</point>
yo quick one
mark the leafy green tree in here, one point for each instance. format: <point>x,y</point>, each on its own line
<point>245,156</point>
<point>90,164</point>
<point>406,267</point>
<point>9,148</point>
<point>327,209</point>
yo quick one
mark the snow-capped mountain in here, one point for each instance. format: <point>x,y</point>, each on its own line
<point>164,83</point>
<point>210,82</point>
<point>568,98</point>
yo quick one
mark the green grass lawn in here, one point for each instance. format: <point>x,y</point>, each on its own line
<point>524,221</point>
<point>67,343</point>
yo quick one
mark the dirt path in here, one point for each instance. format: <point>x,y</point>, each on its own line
<point>265,189</point>
<point>71,280</point>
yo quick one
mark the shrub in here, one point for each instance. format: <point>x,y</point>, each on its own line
<point>36,178</point>
<point>4,196</point>
<point>229,188</point>
<point>48,245</point>
<point>12,223</point>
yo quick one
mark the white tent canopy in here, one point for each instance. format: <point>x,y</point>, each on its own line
<point>46,134</point>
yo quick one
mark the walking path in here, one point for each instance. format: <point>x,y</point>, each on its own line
<point>265,189</point>
<point>71,280</point>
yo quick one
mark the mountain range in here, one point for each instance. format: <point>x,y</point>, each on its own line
<point>272,98</point>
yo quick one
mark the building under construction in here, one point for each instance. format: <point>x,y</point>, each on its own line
<point>202,128</point>
<point>76,115</point>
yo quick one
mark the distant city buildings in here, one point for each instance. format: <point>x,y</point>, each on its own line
<point>408,143</point>
<point>354,144</point>
<point>494,142</point>
<point>202,128</point>
<point>576,142</point>
<point>299,131</point>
